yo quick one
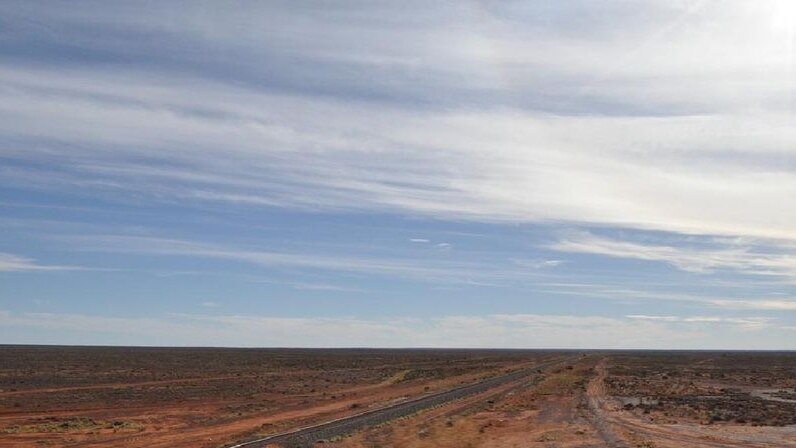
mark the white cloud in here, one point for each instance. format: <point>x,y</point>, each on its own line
<point>421,269</point>
<point>497,330</point>
<point>655,318</point>
<point>325,287</point>
<point>503,330</point>
<point>747,323</point>
<point>539,264</point>
<point>624,294</point>
<point>15,263</point>
<point>671,116</point>
<point>759,304</point>
<point>88,324</point>
<point>211,140</point>
<point>743,259</point>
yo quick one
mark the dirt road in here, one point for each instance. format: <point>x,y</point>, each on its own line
<point>621,429</point>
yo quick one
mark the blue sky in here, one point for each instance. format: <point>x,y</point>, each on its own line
<point>461,174</point>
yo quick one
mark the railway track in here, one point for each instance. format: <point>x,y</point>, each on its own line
<point>308,436</point>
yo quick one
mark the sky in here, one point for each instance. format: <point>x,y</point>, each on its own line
<point>531,174</point>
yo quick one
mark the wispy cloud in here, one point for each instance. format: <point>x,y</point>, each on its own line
<point>492,330</point>
<point>667,125</point>
<point>325,287</point>
<point>759,304</point>
<point>421,269</point>
<point>273,134</point>
<point>540,169</point>
<point>539,264</point>
<point>743,259</point>
<point>499,330</point>
<point>748,323</point>
<point>15,263</point>
<point>625,294</point>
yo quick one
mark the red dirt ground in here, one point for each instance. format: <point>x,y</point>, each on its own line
<point>172,398</point>
<point>180,398</point>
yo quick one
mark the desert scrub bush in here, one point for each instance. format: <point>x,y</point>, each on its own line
<point>73,424</point>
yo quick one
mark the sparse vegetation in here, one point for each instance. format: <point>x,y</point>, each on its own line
<point>707,388</point>
<point>180,394</point>
<point>71,424</point>
<point>232,391</point>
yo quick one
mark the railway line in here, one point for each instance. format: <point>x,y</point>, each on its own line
<point>308,436</point>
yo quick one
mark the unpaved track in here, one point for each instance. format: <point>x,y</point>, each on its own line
<point>607,422</point>
<point>596,398</point>
<point>701,436</point>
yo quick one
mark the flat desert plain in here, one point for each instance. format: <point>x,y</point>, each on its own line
<point>214,398</point>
